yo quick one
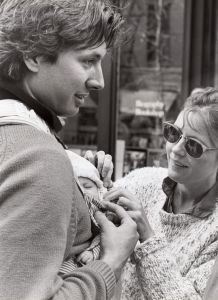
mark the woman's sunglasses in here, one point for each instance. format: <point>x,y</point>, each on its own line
<point>173,134</point>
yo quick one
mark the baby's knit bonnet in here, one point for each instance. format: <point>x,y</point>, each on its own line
<point>83,168</point>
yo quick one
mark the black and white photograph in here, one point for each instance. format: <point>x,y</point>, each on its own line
<point>108,149</point>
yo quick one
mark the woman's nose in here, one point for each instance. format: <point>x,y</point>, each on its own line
<point>96,81</point>
<point>179,147</point>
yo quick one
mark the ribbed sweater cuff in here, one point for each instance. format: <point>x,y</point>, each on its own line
<point>107,274</point>
<point>149,246</point>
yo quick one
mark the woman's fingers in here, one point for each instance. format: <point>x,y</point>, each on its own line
<point>134,210</point>
<point>128,204</point>
<point>115,193</point>
<point>119,211</point>
<point>123,198</point>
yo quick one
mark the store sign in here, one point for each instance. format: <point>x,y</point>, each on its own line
<point>154,109</point>
<point>146,102</point>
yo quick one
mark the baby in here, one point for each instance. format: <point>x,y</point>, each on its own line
<point>88,178</point>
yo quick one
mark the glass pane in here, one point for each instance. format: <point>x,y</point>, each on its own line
<point>150,80</point>
<point>80,131</point>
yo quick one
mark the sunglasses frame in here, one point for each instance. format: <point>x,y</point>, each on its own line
<point>186,138</point>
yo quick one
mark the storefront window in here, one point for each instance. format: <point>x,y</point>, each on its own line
<point>80,132</point>
<point>150,81</point>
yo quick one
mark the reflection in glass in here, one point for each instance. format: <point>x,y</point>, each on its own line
<point>150,73</point>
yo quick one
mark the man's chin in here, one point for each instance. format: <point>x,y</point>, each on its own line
<point>69,113</point>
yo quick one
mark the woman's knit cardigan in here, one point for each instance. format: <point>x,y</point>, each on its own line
<point>174,264</point>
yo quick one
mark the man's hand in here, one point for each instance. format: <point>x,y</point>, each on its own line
<point>117,241</point>
<point>103,163</point>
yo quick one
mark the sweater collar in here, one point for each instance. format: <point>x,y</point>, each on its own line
<point>14,91</point>
<point>200,209</point>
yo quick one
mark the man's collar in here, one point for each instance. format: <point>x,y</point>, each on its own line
<point>200,209</point>
<point>10,90</point>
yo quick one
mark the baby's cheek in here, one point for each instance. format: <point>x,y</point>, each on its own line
<point>93,192</point>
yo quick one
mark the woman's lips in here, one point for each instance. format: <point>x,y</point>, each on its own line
<point>178,164</point>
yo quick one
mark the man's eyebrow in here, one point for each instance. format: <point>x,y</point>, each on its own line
<point>96,55</point>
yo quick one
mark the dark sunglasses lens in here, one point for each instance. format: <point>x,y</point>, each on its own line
<point>193,148</point>
<point>170,133</point>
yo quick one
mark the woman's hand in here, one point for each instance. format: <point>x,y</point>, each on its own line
<point>134,209</point>
<point>104,164</point>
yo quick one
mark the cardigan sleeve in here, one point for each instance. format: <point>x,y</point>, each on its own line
<point>177,261</point>
<point>153,274</point>
<point>212,285</point>
<point>160,277</point>
<point>36,201</point>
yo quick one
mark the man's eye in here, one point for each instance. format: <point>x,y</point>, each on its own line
<point>89,62</point>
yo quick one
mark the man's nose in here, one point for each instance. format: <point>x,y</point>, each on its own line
<point>96,82</point>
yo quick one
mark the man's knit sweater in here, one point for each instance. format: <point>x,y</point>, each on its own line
<point>40,205</point>
<point>174,264</point>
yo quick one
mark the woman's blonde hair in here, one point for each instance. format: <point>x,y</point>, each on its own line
<point>204,102</point>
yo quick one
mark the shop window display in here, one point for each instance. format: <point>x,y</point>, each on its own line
<point>150,79</point>
<point>80,132</point>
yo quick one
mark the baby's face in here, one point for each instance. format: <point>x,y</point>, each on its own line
<point>89,186</point>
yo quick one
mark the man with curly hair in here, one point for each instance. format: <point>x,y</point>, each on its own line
<point>50,58</point>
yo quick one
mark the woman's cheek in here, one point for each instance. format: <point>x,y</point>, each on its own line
<point>168,149</point>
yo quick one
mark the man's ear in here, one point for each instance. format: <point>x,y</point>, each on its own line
<point>32,64</point>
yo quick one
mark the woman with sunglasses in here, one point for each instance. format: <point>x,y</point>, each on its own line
<point>176,209</point>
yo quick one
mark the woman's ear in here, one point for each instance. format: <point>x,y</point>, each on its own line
<point>32,64</point>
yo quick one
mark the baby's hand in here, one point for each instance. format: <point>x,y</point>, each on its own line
<point>85,257</point>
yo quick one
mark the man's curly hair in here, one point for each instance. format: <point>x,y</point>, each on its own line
<point>47,27</point>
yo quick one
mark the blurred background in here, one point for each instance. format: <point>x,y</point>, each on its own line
<point>172,49</point>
